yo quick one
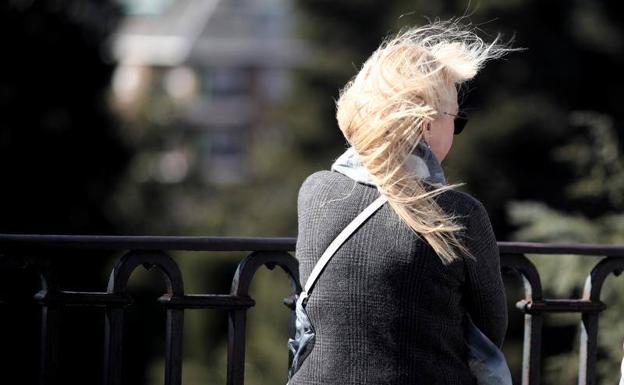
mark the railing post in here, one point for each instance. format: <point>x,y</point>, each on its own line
<point>588,352</point>
<point>237,318</point>
<point>236,347</point>
<point>532,349</point>
<point>113,339</point>
<point>173,343</point>
<point>50,325</point>
<point>588,349</point>
<point>117,284</point>
<point>50,322</point>
<point>532,344</point>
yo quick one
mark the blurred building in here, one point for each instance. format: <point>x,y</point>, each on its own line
<point>220,64</point>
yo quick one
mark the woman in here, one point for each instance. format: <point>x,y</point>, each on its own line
<point>392,305</point>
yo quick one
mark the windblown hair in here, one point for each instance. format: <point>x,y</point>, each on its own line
<point>383,111</point>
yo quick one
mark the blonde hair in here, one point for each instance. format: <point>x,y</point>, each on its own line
<point>383,111</point>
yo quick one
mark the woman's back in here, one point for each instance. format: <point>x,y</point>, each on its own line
<point>386,310</point>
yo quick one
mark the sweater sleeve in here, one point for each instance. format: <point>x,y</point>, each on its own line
<point>485,292</point>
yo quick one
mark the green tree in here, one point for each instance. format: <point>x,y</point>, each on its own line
<point>598,167</point>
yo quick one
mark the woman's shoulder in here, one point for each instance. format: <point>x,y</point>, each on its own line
<point>321,177</point>
<point>461,203</point>
<point>323,182</point>
<point>333,182</point>
<point>335,192</point>
<point>457,201</point>
<point>314,182</point>
<point>315,178</point>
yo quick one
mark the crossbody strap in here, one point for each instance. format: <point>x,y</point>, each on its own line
<point>340,239</point>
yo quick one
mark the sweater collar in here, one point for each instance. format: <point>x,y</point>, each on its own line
<point>421,162</point>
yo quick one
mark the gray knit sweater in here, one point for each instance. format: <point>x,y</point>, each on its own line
<point>386,311</point>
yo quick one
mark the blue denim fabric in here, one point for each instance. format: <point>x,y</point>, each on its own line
<point>305,335</point>
<point>487,363</point>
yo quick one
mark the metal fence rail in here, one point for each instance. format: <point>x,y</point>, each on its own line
<point>36,250</point>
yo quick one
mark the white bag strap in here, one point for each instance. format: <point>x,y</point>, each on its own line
<point>339,240</point>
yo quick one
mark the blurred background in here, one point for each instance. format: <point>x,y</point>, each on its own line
<point>203,117</point>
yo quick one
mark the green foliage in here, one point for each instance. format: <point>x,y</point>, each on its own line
<point>598,168</point>
<point>518,111</point>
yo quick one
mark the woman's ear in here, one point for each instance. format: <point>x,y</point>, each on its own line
<point>427,131</point>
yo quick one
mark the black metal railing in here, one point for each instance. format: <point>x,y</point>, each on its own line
<point>36,251</point>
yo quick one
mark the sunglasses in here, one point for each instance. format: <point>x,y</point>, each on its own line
<point>459,121</point>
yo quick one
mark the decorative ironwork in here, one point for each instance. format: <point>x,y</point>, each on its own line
<point>152,252</point>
